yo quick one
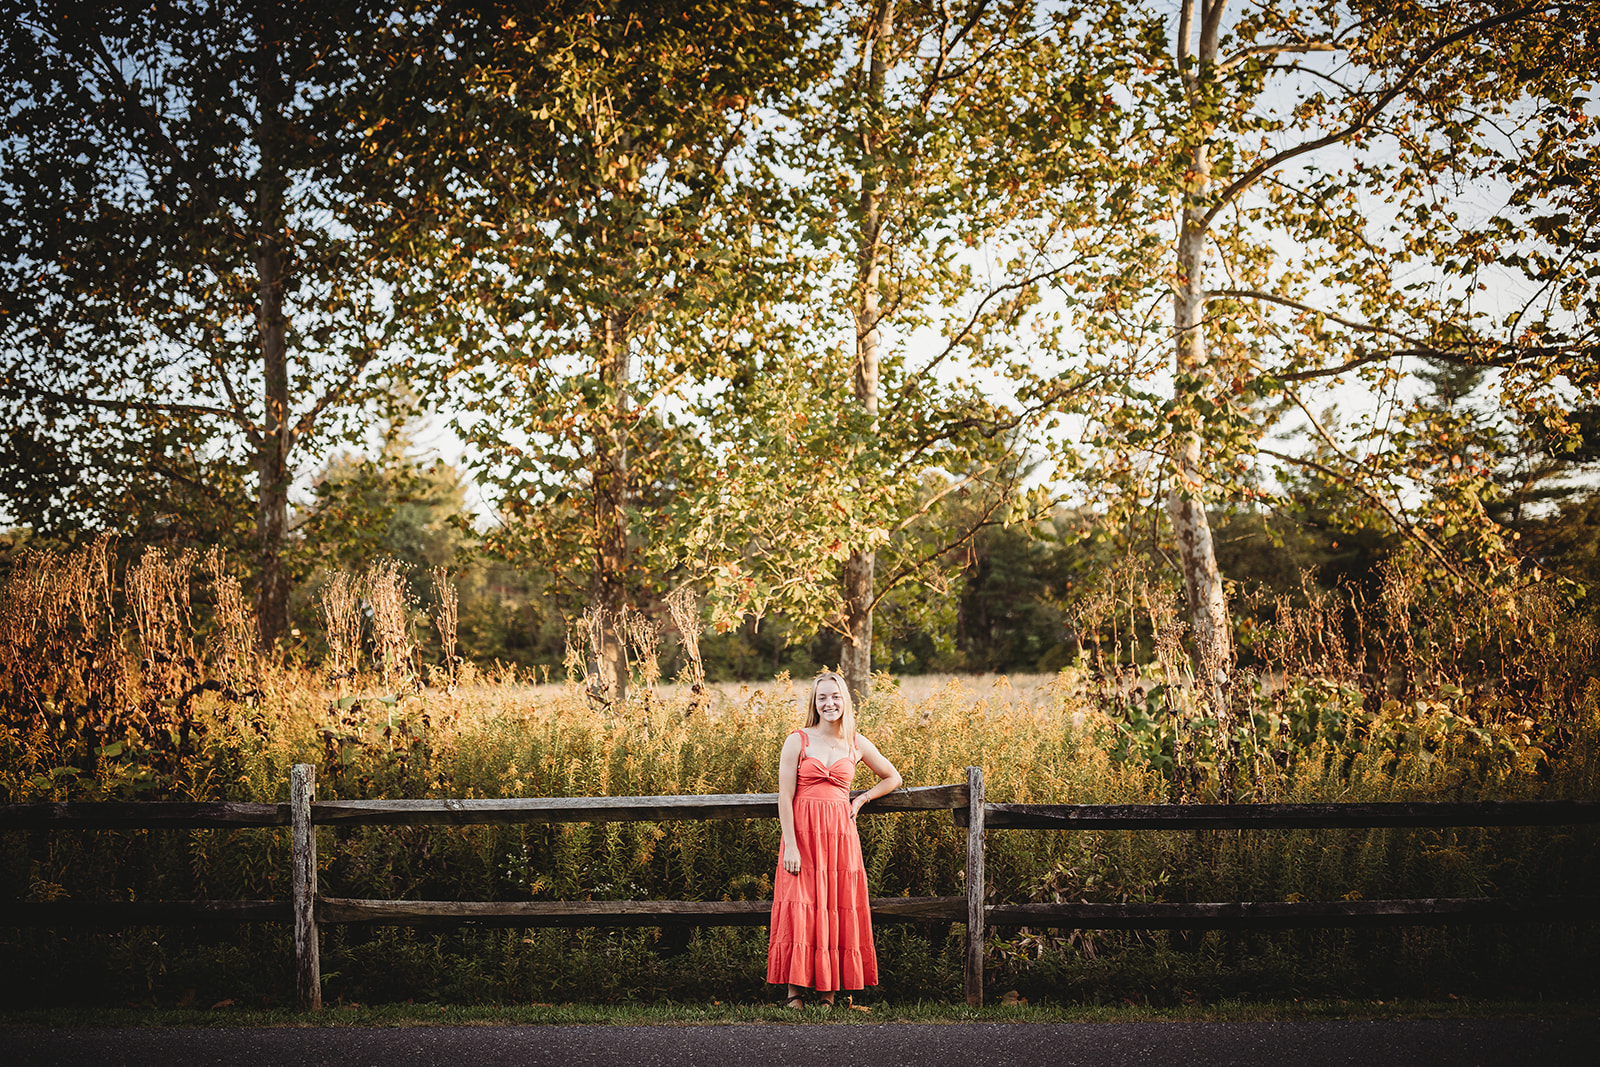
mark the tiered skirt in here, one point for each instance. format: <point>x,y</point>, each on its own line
<point>821,934</point>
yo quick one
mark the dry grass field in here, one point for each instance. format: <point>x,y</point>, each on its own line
<point>114,687</point>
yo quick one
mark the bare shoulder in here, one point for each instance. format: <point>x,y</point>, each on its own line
<point>864,746</point>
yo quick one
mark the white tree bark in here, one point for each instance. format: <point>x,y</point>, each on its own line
<point>855,658</point>
<point>1186,504</point>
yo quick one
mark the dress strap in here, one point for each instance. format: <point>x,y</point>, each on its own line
<point>805,741</point>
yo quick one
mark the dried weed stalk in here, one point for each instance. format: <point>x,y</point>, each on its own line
<point>340,601</point>
<point>602,673</point>
<point>445,615</point>
<point>157,590</point>
<point>572,658</point>
<point>47,592</point>
<point>685,614</point>
<point>643,635</point>
<point>44,595</point>
<point>232,649</point>
<point>391,621</point>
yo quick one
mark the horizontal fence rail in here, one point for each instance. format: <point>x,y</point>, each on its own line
<point>1284,816</point>
<point>176,815</point>
<point>140,815</point>
<point>1298,914</point>
<point>115,913</point>
<point>338,911</point>
<point>612,912</point>
<point>603,809</point>
<point>307,910</point>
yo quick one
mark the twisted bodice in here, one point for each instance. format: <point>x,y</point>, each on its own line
<point>815,780</point>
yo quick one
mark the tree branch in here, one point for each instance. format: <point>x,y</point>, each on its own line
<point>1275,49</point>
<point>1210,27</point>
<point>909,567</point>
<point>914,382</point>
<point>1373,110</point>
<point>1348,92</point>
<point>1191,88</point>
<point>1256,294</point>
<point>334,393</point>
<point>940,75</point>
<point>233,398</point>
<point>927,505</point>
<point>173,474</point>
<point>1407,529</point>
<point>140,117</point>
<point>133,405</point>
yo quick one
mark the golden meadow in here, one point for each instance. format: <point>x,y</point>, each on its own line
<point>141,683</point>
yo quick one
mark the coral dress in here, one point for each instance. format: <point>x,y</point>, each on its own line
<point>821,919</point>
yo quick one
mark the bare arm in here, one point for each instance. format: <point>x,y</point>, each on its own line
<point>788,772</point>
<point>888,778</point>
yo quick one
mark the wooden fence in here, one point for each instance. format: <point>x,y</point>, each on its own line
<point>307,910</point>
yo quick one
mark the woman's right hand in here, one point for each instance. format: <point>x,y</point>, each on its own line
<point>790,859</point>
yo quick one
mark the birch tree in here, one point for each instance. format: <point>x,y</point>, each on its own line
<point>909,386</point>
<point>1327,194</point>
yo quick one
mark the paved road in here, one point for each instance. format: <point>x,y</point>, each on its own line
<point>1455,1043</point>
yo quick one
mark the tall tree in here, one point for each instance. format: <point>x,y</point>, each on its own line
<point>604,219</point>
<point>190,302</point>
<point>907,385</point>
<point>1306,187</point>
<point>877,54</point>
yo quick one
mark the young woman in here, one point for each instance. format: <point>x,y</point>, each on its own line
<point>821,920</point>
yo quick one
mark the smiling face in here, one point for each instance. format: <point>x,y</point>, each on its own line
<point>829,700</point>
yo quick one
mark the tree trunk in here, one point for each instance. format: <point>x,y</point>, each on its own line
<point>1202,580</point>
<point>855,657</point>
<point>855,654</point>
<point>611,503</point>
<point>273,444</point>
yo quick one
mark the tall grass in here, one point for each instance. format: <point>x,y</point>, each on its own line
<point>143,689</point>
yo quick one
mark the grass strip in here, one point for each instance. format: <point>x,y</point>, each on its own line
<point>717,1014</point>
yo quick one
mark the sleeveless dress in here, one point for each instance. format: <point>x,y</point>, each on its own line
<point>821,933</point>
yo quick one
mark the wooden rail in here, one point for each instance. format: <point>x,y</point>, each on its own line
<point>602,809</point>
<point>1281,914</point>
<point>307,910</point>
<point>611,912</point>
<point>1284,816</point>
<point>184,816</point>
<point>140,815</point>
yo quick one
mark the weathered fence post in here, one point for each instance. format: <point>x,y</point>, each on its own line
<point>307,964</point>
<point>975,934</point>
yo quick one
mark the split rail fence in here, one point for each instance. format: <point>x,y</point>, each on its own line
<point>307,910</point>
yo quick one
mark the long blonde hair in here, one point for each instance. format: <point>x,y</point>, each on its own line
<point>848,719</point>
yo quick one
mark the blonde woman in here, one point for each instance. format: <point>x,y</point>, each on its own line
<point>821,921</point>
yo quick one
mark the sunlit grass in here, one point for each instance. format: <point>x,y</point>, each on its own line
<point>503,738</point>
<point>86,719</point>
